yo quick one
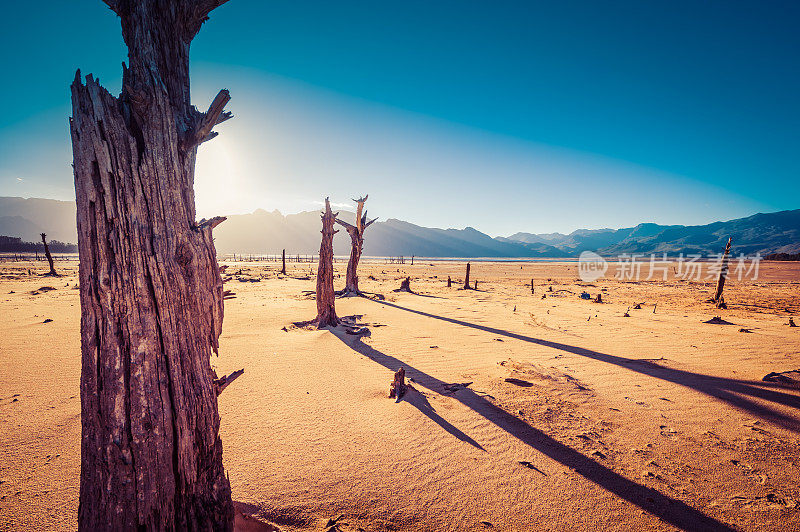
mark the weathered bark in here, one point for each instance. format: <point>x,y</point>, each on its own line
<point>150,286</point>
<point>449,282</point>
<point>723,274</point>
<point>49,256</point>
<point>466,281</point>
<point>531,286</point>
<point>356,233</point>
<point>326,298</point>
<point>283,260</point>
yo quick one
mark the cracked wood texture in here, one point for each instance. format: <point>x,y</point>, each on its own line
<point>326,298</point>
<point>150,287</point>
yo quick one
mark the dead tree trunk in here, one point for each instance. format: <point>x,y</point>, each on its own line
<point>150,286</point>
<point>283,260</point>
<point>326,298</point>
<point>466,281</point>
<point>356,233</point>
<point>531,286</point>
<point>723,274</point>
<point>449,282</point>
<point>49,256</point>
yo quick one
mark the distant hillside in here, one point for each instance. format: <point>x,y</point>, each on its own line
<point>777,232</point>
<point>27,218</point>
<point>269,232</point>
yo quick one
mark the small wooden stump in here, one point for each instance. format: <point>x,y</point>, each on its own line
<point>599,298</point>
<point>449,282</point>
<point>405,285</point>
<point>398,389</point>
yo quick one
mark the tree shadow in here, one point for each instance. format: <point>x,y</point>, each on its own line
<point>673,511</point>
<point>420,402</point>
<point>728,390</point>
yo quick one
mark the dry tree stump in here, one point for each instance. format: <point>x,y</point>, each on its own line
<point>52,271</point>
<point>326,297</point>
<point>405,286</point>
<point>283,261</point>
<point>399,387</point>
<point>356,233</point>
<point>150,288</point>
<point>449,282</point>
<point>466,279</point>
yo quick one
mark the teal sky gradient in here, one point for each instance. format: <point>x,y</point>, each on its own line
<point>506,116</point>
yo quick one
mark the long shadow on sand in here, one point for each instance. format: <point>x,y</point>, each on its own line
<point>727,390</point>
<point>420,402</point>
<point>670,510</point>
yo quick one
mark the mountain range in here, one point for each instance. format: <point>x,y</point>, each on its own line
<point>269,232</point>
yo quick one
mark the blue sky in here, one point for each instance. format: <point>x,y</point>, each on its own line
<point>506,116</point>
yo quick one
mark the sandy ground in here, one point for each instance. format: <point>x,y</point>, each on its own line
<point>524,414</point>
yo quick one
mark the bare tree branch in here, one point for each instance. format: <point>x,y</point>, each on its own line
<point>223,382</point>
<point>216,114</point>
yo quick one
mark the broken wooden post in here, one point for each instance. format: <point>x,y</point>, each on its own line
<point>283,261</point>
<point>466,280</point>
<point>723,274</point>
<point>476,284</point>
<point>398,388</point>
<point>326,298</point>
<point>49,257</point>
<point>405,286</point>
<point>449,282</point>
<point>412,260</point>
<point>150,289</point>
<point>356,233</point>
<point>531,286</point>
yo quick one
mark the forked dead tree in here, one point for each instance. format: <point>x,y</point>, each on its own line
<point>49,256</point>
<point>150,286</point>
<point>723,275</point>
<point>356,233</point>
<point>466,280</point>
<point>326,298</point>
